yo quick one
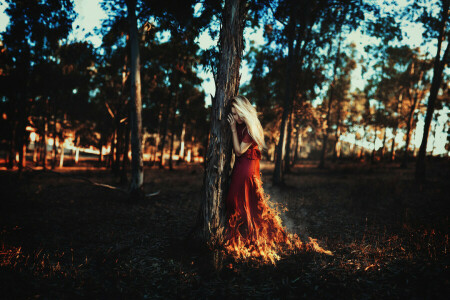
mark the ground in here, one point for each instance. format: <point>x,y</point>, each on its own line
<point>62,237</point>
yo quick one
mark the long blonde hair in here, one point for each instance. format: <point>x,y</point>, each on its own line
<point>247,112</point>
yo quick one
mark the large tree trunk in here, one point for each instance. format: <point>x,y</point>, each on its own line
<point>439,64</point>
<point>137,163</point>
<point>217,167</point>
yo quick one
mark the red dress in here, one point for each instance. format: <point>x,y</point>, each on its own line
<point>254,228</point>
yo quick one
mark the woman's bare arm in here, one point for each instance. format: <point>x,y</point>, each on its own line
<point>239,149</point>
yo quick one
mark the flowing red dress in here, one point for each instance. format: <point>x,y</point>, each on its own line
<point>254,228</point>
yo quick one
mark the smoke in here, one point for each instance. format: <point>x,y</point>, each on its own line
<point>289,209</point>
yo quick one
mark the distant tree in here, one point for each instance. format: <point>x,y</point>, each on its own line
<point>338,100</point>
<point>355,120</point>
<point>436,27</point>
<point>31,38</point>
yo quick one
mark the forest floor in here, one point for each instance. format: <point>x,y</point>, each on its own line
<point>64,238</point>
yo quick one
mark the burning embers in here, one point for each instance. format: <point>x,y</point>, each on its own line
<point>255,230</point>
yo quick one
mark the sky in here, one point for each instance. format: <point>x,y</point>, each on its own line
<point>90,15</point>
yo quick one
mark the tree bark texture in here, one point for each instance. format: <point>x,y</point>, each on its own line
<point>217,163</point>
<point>137,163</point>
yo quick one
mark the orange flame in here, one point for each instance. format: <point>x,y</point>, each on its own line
<point>260,234</point>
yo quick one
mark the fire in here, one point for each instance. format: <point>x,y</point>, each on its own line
<point>258,233</point>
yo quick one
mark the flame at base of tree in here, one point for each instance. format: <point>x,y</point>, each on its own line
<point>255,229</point>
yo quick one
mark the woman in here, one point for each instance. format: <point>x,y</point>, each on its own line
<point>254,228</point>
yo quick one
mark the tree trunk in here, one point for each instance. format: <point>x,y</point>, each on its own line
<point>439,65</point>
<point>392,156</point>
<point>125,160</point>
<point>35,151</point>
<point>337,133</point>
<point>372,159</point>
<point>409,126</point>
<point>10,164</point>
<point>394,130</point>
<point>296,147</point>
<point>294,60</point>
<point>54,148</point>
<point>44,152</point>
<point>327,120</point>
<point>119,144</point>
<point>287,154</point>
<point>158,136</point>
<point>434,133</point>
<point>61,158</point>
<point>172,131</point>
<point>383,148</point>
<point>287,104</point>
<point>100,147</point>
<point>137,163</point>
<point>164,132</point>
<point>217,162</point>
<point>166,122</point>
<point>183,133</point>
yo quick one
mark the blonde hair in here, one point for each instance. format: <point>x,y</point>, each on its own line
<point>247,112</point>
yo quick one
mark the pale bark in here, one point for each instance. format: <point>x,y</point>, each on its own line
<point>137,163</point>
<point>61,158</point>
<point>183,132</point>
